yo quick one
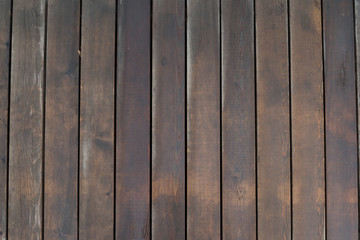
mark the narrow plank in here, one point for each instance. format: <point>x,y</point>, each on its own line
<point>5,23</point>
<point>203,120</point>
<point>307,120</point>
<point>238,120</point>
<point>133,120</point>
<point>26,120</point>
<point>96,206</point>
<point>273,130</point>
<point>61,129</point>
<point>357,42</point>
<point>340,117</point>
<point>168,124</point>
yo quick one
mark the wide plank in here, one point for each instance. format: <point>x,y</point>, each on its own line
<point>61,128</point>
<point>5,24</point>
<point>340,120</point>
<point>133,120</point>
<point>308,172</point>
<point>203,120</point>
<point>238,120</point>
<point>97,102</point>
<point>26,120</point>
<point>273,121</point>
<point>168,120</point>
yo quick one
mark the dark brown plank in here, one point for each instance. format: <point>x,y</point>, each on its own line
<point>61,128</point>
<point>273,132</point>
<point>168,124</point>
<point>5,23</point>
<point>203,120</point>
<point>26,120</point>
<point>96,204</point>
<point>133,120</point>
<point>238,120</point>
<point>357,42</point>
<point>340,117</point>
<point>308,177</point>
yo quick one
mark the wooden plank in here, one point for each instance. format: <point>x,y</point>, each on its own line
<point>168,124</point>
<point>238,120</point>
<point>273,130</point>
<point>340,117</point>
<point>133,120</point>
<point>308,177</point>
<point>5,23</point>
<point>96,206</point>
<point>203,120</point>
<point>61,129</point>
<point>26,120</point>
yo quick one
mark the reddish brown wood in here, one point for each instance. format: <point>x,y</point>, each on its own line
<point>238,120</point>
<point>273,120</point>
<point>168,124</point>
<point>96,213</point>
<point>61,128</point>
<point>133,120</point>
<point>203,120</point>
<point>340,117</point>
<point>26,120</point>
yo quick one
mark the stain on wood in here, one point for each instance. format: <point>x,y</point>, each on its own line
<point>61,123</point>
<point>273,121</point>
<point>238,120</point>
<point>308,169</point>
<point>97,107</point>
<point>133,120</point>
<point>340,116</point>
<point>26,120</point>
<point>168,124</point>
<point>203,120</point>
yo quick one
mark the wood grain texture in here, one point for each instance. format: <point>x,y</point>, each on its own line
<point>203,120</point>
<point>238,120</point>
<point>168,124</point>
<point>273,130</point>
<point>96,215</point>
<point>357,43</point>
<point>133,120</point>
<point>308,172</point>
<point>26,120</point>
<point>5,23</point>
<point>340,116</point>
<point>61,128</point>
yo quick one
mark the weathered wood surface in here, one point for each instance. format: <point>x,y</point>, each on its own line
<point>179,119</point>
<point>26,120</point>
<point>133,120</point>
<point>340,116</point>
<point>203,120</point>
<point>238,120</point>
<point>61,122</point>
<point>97,107</point>
<point>273,120</point>
<point>308,169</point>
<point>168,120</point>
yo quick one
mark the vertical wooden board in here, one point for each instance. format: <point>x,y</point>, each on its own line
<point>168,114</point>
<point>340,117</point>
<point>357,42</point>
<point>5,23</point>
<point>133,120</point>
<point>273,131</point>
<point>96,213</point>
<point>238,120</point>
<point>308,176</point>
<point>26,120</point>
<point>61,128</point>
<point>203,120</point>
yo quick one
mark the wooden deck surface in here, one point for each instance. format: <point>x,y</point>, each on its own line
<point>179,119</point>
